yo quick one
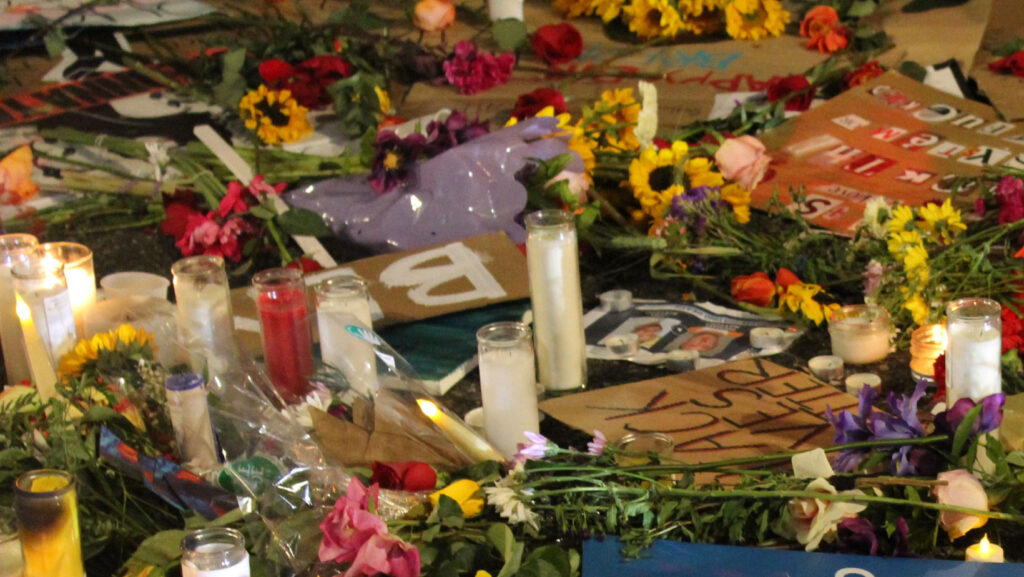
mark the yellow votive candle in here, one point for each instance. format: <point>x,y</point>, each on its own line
<point>47,508</point>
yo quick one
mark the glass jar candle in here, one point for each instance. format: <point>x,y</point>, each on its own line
<point>974,349</point>
<point>552,262</point>
<point>206,325</point>
<point>11,563</point>
<point>47,509</point>
<point>340,301</point>
<point>287,341</point>
<point>14,248</point>
<point>508,384</point>
<point>214,552</point>
<point>41,285</point>
<point>78,270</point>
<point>860,334</point>
<point>927,343</point>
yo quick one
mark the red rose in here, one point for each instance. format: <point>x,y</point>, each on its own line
<point>176,216</point>
<point>863,74</point>
<point>305,264</point>
<point>307,81</point>
<point>1012,64</point>
<point>756,289</point>
<point>529,104</point>
<point>780,88</point>
<point>405,476</point>
<point>557,43</point>
<point>939,374</point>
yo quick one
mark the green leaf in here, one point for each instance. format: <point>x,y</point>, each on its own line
<point>299,221</point>
<point>260,211</point>
<point>449,512</point>
<point>862,8</point>
<point>232,84</point>
<point>500,535</point>
<point>1016,459</point>
<point>964,431</point>
<point>55,42</point>
<point>509,33</point>
<point>912,69</point>
<point>1015,45</point>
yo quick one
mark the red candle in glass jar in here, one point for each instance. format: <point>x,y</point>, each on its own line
<point>287,342</point>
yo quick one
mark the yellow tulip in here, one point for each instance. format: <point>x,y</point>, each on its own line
<point>464,493</point>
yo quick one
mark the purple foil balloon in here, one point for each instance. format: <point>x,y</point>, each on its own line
<point>466,191</point>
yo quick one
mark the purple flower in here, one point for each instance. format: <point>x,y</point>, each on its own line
<point>681,203</point>
<point>990,418</point>
<point>394,159</point>
<point>538,447</point>
<point>596,447</point>
<point>455,130</point>
<point>903,424</point>
<point>857,536</point>
<point>1010,196</point>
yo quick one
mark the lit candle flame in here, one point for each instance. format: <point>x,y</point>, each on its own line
<point>429,408</point>
<point>938,336</point>
<point>984,547</point>
<point>21,307</point>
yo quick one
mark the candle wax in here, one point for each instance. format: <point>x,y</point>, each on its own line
<point>985,552</point>
<point>509,391</point>
<point>973,363</point>
<point>287,343</point>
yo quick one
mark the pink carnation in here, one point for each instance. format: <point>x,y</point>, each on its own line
<point>351,525</point>
<point>385,555</point>
<point>1010,196</point>
<point>472,71</point>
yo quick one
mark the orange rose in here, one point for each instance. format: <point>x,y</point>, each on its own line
<point>756,289</point>
<point>785,277</point>
<point>863,74</point>
<point>821,27</point>
<point>433,15</point>
<point>16,184</point>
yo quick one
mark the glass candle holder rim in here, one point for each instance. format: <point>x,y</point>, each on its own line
<point>342,285</point>
<point>63,249</point>
<point>548,218</point>
<point>923,336</point>
<point>26,491</point>
<point>972,309</point>
<point>655,437</point>
<point>38,268</point>
<point>503,334</point>
<point>877,319</point>
<point>13,241</point>
<point>191,542</point>
<point>277,276</point>
<point>197,265</point>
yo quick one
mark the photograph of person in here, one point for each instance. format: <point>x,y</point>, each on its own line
<point>649,330</point>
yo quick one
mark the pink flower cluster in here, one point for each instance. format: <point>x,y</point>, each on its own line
<point>353,534</point>
<point>472,71</point>
<point>1010,197</point>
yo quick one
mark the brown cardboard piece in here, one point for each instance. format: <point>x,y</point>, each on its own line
<point>935,36</point>
<point>1004,90</point>
<point>892,137</point>
<point>419,284</point>
<point>739,409</point>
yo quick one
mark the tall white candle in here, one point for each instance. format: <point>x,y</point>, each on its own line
<point>42,374</point>
<point>553,265</point>
<point>41,286</point>
<point>458,433</point>
<point>81,278</point>
<point>508,385</point>
<point>205,323</point>
<point>13,248</point>
<point>190,417</point>
<point>974,350</point>
<point>503,9</point>
<point>339,302</point>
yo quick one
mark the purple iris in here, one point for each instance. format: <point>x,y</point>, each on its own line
<point>394,159</point>
<point>990,418</point>
<point>860,536</point>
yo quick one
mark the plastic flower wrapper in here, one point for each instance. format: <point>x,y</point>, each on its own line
<point>468,190</point>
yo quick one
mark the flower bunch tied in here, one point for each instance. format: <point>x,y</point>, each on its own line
<point>647,19</point>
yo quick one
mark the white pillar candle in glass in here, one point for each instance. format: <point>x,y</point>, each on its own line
<point>508,384</point>
<point>78,270</point>
<point>134,284</point>
<point>860,333</point>
<point>973,350</point>
<point>504,9</point>
<point>13,248</point>
<point>340,301</point>
<point>41,285</point>
<point>205,322</point>
<point>553,265</point>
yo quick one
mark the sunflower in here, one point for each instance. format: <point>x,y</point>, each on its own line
<point>608,10</point>
<point>739,199</point>
<point>654,180</point>
<point>124,339</point>
<point>619,111</point>
<point>942,219</point>
<point>899,241</point>
<point>918,308</point>
<point>902,220</point>
<point>755,19</point>
<point>710,22</point>
<point>274,115</point>
<point>915,262</point>
<point>699,173</point>
<point>652,18</point>
<point>572,8</point>
<point>584,146</point>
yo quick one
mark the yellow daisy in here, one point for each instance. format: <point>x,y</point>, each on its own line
<point>942,219</point>
<point>902,220</point>
<point>915,262</point>
<point>918,309</point>
<point>274,115</point>
<point>653,178</point>
<point>652,18</point>
<point>755,19</point>
<point>799,297</point>
<point>572,8</point>
<point>898,241</point>
<point>740,201</point>
<point>698,171</point>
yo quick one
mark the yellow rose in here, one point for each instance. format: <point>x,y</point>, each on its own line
<point>464,492</point>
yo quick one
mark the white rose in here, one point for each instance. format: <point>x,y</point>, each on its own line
<point>815,520</point>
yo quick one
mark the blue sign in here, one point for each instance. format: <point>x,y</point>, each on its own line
<point>675,559</point>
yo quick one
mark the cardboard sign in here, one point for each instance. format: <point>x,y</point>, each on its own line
<point>674,559</point>
<point>419,284</point>
<point>891,137</point>
<point>739,409</point>
<point>1003,90</point>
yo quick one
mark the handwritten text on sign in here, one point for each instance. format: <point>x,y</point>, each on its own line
<point>743,408</point>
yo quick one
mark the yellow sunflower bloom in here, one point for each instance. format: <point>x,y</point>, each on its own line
<point>755,19</point>
<point>572,8</point>
<point>943,220</point>
<point>383,99</point>
<point>740,201</point>
<point>698,170</point>
<point>608,10</point>
<point>73,362</point>
<point>652,18</point>
<point>898,241</point>
<point>619,112</point>
<point>274,115</point>
<point>918,309</point>
<point>653,178</point>
<point>915,262</point>
<point>902,220</point>
<point>799,297</point>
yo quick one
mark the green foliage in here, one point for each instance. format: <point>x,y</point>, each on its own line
<point>1015,45</point>
<point>509,33</point>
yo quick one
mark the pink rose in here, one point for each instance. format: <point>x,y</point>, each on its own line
<point>743,160</point>
<point>385,555</point>
<point>350,525</point>
<point>963,490</point>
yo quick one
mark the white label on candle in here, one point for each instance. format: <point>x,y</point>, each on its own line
<point>240,569</point>
<point>51,313</point>
<point>557,309</point>
<point>509,390</point>
<point>973,362</point>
